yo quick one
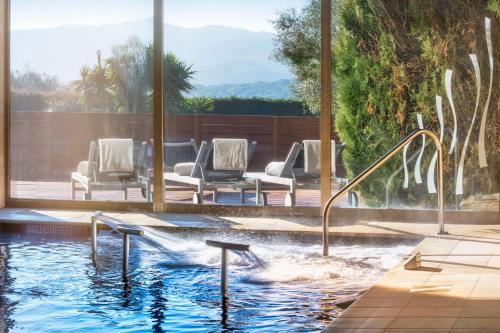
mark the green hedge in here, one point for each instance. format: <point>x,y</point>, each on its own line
<point>27,102</point>
<point>259,106</point>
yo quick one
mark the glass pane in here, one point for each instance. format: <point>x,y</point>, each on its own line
<point>436,74</point>
<point>81,86</point>
<point>231,79</point>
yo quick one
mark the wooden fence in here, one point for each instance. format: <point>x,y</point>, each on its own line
<point>47,146</point>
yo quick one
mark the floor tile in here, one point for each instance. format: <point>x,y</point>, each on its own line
<point>430,312</point>
<point>423,322</point>
<point>394,302</point>
<point>433,302</point>
<point>376,322</point>
<point>477,323</point>
<point>355,312</point>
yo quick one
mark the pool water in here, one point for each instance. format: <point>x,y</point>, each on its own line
<point>54,286</point>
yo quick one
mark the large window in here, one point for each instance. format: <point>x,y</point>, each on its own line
<point>81,99</point>
<point>434,73</point>
<point>236,84</point>
<point>242,102</point>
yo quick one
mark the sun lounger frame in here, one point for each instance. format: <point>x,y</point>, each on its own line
<point>91,182</point>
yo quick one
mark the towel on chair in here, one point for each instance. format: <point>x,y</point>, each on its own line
<point>230,154</point>
<point>116,155</point>
<point>312,156</point>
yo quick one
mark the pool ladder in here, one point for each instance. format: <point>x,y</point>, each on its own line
<point>377,165</point>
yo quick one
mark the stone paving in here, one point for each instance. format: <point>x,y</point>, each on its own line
<point>457,289</point>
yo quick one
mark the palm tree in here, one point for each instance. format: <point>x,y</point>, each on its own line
<point>176,80</point>
<point>94,88</point>
<point>83,86</point>
<point>125,82</point>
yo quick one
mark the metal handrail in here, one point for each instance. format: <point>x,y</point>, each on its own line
<point>375,166</point>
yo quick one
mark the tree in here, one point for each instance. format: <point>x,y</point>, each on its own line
<point>95,89</point>
<point>33,82</point>
<point>176,80</point>
<point>32,91</point>
<point>297,45</point>
<point>125,82</point>
<point>390,57</point>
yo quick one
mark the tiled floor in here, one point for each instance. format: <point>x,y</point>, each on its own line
<point>456,290</point>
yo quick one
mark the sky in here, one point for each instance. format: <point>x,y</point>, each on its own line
<point>254,15</point>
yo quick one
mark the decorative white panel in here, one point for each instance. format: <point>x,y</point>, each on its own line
<point>418,177</point>
<point>447,82</point>
<point>405,167</point>
<point>459,187</point>
<point>431,183</point>
<point>482,129</point>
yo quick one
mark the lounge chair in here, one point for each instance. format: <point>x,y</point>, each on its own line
<point>219,164</point>
<point>301,170</point>
<point>181,151</point>
<point>113,165</point>
<point>175,152</point>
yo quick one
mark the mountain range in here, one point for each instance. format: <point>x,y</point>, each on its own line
<point>218,54</point>
<point>273,90</point>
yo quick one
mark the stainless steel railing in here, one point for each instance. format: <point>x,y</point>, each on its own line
<point>375,166</point>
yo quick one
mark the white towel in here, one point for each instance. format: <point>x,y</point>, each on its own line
<point>312,156</point>
<point>116,155</point>
<point>230,154</point>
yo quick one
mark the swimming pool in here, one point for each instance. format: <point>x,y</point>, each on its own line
<point>52,285</point>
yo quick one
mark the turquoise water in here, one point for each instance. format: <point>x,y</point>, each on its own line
<point>54,286</point>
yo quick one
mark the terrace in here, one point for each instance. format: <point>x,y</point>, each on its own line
<point>44,171</point>
<point>362,140</point>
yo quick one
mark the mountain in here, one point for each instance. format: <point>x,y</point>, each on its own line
<point>219,55</point>
<point>276,90</point>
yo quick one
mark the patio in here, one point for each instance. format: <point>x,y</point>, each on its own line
<point>62,191</point>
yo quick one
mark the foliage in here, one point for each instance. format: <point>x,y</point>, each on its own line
<point>297,44</point>
<point>65,99</point>
<point>176,80</point>
<point>32,91</point>
<point>95,89</point>
<point>245,106</point>
<point>27,101</point>
<point>259,106</point>
<point>389,62</point>
<point>199,105</point>
<point>494,7</point>
<point>32,82</point>
<point>124,83</point>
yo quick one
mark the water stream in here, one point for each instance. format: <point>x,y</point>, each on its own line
<point>279,260</point>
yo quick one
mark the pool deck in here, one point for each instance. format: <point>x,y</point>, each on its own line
<point>457,289</point>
